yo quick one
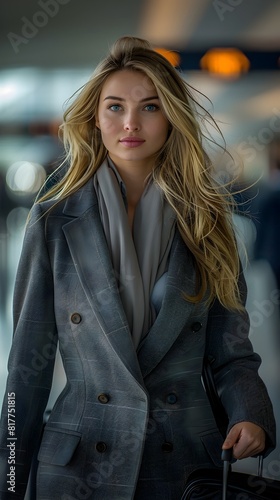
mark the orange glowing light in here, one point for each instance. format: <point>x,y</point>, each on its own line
<point>228,63</point>
<point>170,55</point>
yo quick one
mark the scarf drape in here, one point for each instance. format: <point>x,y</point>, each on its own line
<point>139,257</point>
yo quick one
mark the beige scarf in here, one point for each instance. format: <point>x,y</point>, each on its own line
<point>139,257</point>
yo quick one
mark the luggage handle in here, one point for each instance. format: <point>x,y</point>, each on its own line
<point>226,458</point>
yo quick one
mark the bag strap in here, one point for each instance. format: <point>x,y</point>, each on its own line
<point>218,409</point>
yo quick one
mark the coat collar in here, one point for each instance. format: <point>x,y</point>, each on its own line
<point>88,248</point>
<point>83,199</point>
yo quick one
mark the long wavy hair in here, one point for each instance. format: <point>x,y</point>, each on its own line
<point>182,168</point>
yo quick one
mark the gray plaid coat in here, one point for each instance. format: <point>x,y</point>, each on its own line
<point>128,425</point>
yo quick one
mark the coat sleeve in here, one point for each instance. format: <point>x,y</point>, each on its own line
<point>235,366</point>
<point>31,361</point>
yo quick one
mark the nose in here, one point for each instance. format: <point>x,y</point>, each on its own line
<point>131,122</point>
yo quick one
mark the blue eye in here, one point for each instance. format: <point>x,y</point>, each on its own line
<point>151,107</point>
<point>115,107</point>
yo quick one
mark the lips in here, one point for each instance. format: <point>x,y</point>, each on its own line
<point>131,142</point>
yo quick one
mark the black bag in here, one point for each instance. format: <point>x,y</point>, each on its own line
<point>215,484</point>
<point>208,484</point>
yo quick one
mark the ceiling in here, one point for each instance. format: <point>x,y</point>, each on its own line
<point>48,48</point>
<point>76,33</point>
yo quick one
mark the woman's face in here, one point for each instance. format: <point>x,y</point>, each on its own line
<point>132,124</point>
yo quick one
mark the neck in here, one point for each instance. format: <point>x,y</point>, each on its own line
<point>134,176</point>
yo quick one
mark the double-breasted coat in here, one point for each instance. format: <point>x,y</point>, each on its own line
<point>129,424</point>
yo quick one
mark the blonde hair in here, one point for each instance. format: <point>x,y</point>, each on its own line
<point>182,168</point>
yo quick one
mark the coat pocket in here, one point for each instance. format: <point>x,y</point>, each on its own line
<point>212,443</point>
<point>58,446</point>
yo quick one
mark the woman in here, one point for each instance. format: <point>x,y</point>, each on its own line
<point>130,263</point>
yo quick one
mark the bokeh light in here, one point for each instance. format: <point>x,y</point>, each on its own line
<point>25,177</point>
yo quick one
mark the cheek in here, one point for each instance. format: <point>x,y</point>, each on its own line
<point>160,128</point>
<point>107,126</point>
<point>163,132</point>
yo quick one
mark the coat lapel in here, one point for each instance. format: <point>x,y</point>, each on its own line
<point>175,310</point>
<point>89,251</point>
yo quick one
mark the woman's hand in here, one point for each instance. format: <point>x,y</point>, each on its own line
<point>246,438</point>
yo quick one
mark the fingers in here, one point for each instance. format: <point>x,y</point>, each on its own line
<point>246,439</point>
<point>232,437</point>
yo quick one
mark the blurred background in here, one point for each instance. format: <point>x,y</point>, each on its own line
<point>228,50</point>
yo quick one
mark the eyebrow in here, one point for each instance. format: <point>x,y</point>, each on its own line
<point>115,98</point>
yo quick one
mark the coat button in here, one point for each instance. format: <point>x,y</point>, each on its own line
<point>196,326</point>
<point>103,398</point>
<point>167,447</point>
<point>171,398</point>
<point>76,318</point>
<point>101,447</point>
